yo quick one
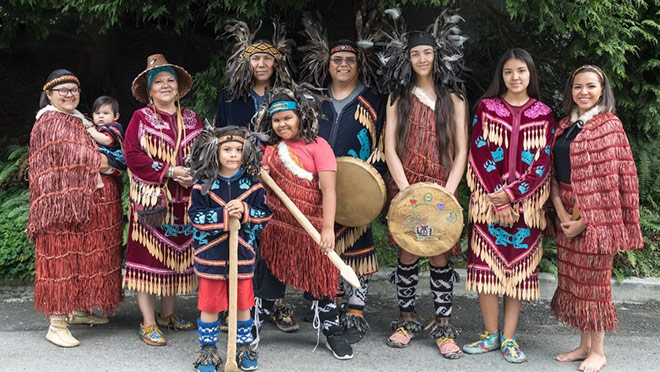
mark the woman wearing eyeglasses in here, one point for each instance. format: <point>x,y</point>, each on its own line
<point>76,229</point>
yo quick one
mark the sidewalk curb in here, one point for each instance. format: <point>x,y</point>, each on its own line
<point>632,290</point>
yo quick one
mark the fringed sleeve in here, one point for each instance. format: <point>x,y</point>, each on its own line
<point>63,169</point>
<point>139,163</point>
<point>604,179</point>
<point>377,157</point>
<point>483,176</point>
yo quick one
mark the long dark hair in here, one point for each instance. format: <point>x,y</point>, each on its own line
<point>606,98</point>
<point>444,120</point>
<point>497,87</point>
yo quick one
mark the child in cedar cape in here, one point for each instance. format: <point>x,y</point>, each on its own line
<point>304,167</point>
<point>109,135</point>
<point>224,163</point>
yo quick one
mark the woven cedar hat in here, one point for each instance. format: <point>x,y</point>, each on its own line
<point>139,86</point>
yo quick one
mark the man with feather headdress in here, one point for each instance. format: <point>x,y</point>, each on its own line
<point>254,67</point>
<point>354,116</point>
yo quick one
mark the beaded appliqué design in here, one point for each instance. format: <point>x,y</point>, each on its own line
<point>537,109</point>
<point>494,104</point>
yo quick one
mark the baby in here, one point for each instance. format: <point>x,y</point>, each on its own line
<point>109,135</point>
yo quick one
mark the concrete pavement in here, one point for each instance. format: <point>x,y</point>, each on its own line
<point>117,347</point>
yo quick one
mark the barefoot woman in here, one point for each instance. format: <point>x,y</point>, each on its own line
<point>597,201</point>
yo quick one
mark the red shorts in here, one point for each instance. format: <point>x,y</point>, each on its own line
<point>214,295</point>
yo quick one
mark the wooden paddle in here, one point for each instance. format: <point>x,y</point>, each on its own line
<point>344,270</point>
<point>234,226</point>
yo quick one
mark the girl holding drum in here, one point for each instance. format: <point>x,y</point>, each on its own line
<point>425,141</point>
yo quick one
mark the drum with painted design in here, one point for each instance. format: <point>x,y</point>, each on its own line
<point>425,219</point>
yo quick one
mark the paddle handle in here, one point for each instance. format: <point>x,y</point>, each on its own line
<point>344,270</point>
<point>234,226</point>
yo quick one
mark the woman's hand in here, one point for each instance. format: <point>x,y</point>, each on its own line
<point>573,228</point>
<point>499,198</point>
<point>507,217</point>
<point>235,209</point>
<point>182,176</point>
<point>327,243</point>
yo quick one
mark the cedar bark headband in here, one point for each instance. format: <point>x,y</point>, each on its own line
<point>230,138</point>
<point>61,80</point>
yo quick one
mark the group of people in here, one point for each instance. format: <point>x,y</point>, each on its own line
<point>187,182</point>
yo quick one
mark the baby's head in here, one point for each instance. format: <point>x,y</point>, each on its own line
<point>106,110</point>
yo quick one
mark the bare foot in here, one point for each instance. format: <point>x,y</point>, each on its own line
<point>572,356</point>
<point>99,183</point>
<point>593,363</point>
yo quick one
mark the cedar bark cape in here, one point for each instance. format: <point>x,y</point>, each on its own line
<point>604,180</point>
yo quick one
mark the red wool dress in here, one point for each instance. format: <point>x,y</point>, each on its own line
<point>509,150</point>
<point>605,187</point>
<point>421,162</point>
<point>159,257</point>
<point>77,230</point>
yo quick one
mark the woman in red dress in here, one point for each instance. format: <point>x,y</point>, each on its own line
<point>159,256</point>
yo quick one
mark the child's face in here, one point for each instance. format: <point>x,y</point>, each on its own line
<point>104,115</point>
<point>285,124</point>
<point>231,155</point>
<point>515,75</point>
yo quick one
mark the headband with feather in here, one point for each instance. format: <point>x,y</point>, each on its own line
<point>316,53</point>
<point>238,75</point>
<point>448,64</point>
<point>308,109</point>
<point>204,160</point>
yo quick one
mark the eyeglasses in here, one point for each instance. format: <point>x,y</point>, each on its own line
<point>340,60</point>
<point>65,92</point>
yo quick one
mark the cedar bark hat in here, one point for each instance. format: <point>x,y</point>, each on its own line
<point>139,86</point>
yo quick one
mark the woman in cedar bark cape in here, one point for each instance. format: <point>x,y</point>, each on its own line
<point>76,228</point>
<point>159,255</point>
<point>508,168</point>
<point>595,193</point>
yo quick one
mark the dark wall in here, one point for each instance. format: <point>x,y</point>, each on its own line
<point>107,63</point>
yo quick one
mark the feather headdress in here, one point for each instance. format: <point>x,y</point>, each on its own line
<point>308,109</point>
<point>448,64</point>
<point>204,160</point>
<point>238,76</point>
<point>316,53</point>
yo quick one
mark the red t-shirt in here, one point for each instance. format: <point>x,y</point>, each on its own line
<point>314,157</point>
